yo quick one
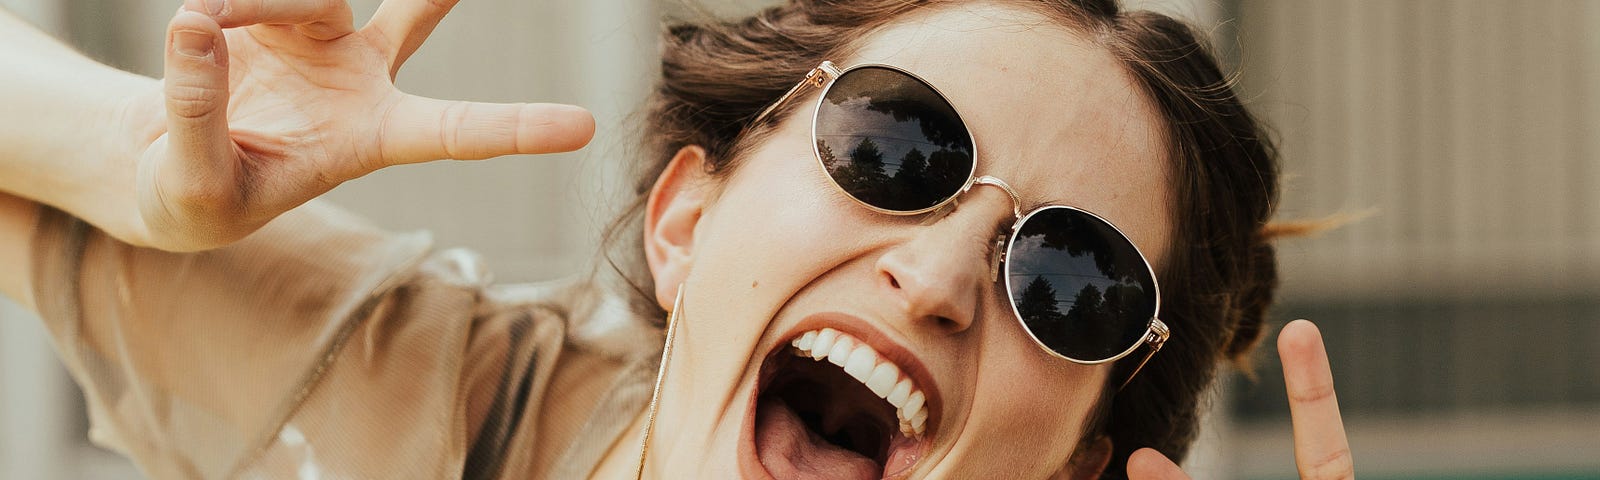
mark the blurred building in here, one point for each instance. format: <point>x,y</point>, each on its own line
<point>1462,312</point>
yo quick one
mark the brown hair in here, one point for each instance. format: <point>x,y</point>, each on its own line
<point>1221,274</point>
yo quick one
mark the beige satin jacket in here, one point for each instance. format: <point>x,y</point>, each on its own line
<point>323,348</point>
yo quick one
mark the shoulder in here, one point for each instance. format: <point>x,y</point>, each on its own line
<point>553,370</point>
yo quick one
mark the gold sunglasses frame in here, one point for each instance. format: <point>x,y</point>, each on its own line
<point>823,76</point>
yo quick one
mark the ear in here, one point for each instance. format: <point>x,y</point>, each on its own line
<point>672,211</point>
<point>1087,463</point>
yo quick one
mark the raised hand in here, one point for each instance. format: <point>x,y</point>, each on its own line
<point>1321,450</point>
<point>269,103</point>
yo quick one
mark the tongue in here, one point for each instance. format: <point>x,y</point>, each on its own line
<point>790,450</point>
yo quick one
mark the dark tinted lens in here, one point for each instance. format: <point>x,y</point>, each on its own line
<point>1080,286</point>
<point>891,141</point>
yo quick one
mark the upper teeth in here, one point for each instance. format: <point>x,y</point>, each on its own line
<point>870,368</point>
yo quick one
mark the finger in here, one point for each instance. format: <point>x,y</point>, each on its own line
<point>405,24</point>
<point>318,19</point>
<point>196,90</point>
<point>420,129</point>
<point>1321,450</point>
<point>1148,464</point>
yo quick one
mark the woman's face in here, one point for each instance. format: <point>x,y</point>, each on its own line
<point>777,250</point>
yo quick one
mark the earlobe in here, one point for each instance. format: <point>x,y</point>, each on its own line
<point>672,211</point>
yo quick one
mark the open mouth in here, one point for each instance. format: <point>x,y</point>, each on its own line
<point>831,406</point>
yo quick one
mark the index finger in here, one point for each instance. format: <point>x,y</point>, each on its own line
<point>405,24</point>
<point>1321,450</point>
<point>421,129</point>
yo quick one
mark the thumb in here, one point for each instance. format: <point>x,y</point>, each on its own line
<point>1146,463</point>
<point>196,90</point>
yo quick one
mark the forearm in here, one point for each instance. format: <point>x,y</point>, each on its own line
<point>59,134</point>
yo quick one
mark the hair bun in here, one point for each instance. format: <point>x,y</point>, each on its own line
<point>1251,306</point>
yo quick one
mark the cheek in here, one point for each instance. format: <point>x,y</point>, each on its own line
<point>776,223</point>
<point>773,229</point>
<point>779,222</point>
<point>1036,403</point>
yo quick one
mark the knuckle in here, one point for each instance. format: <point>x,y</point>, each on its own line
<point>1312,394</point>
<point>192,101</point>
<point>451,120</point>
<point>1337,465</point>
<point>527,124</point>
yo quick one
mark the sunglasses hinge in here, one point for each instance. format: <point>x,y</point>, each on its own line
<point>1159,333</point>
<point>816,78</point>
<point>824,72</point>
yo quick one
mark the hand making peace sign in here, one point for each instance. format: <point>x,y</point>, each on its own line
<point>1321,451</point>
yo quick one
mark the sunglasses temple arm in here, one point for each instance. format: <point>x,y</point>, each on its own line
<point>1157,336</point>
<point>815,78</point>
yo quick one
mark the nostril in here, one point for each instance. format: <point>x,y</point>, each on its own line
<point>937,293</point>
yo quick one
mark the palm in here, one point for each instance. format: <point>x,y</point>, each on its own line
<point>298,102</point>
<point>309,103</point>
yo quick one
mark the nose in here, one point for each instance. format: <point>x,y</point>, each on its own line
<point>939,275</point>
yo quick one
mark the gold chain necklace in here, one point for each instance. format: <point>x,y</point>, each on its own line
<point>661,376</point>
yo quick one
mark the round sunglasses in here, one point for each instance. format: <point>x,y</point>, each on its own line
<point>893,143</point>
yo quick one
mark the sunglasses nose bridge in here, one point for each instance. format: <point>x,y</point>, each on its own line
<point>999,248</point>
<point>1016,201</point>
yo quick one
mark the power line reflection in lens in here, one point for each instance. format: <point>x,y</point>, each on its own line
<point>1079,286</point>
<point>891,141</point>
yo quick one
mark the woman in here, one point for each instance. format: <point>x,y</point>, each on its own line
<point>855,291</point>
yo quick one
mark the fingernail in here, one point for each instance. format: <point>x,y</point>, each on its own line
<point>193,44</point>
<point>216,7</point>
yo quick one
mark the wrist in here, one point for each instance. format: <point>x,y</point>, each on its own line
<point>70,138</point>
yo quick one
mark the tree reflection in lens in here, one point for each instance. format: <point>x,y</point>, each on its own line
<point>1066,260</point>
<point>905,147</point>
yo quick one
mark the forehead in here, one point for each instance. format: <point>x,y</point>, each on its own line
<point>1053,114</point>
